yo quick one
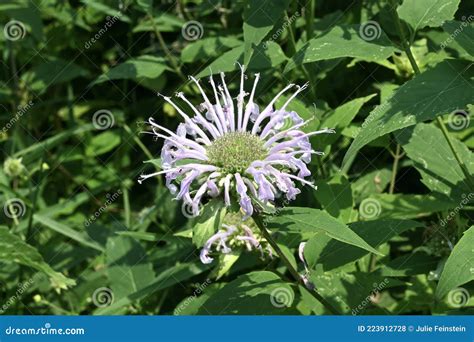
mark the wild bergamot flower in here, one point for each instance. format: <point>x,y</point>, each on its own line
<point>235,234</point>
<point>237,151</point>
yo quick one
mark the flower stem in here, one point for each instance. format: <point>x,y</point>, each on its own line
<point>396,159</point>
<point>416,69</point>
<point>259,222</point>
<point>309,14</point>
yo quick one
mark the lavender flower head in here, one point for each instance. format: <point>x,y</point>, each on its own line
<point>234,235</point>
<point>239,151</point>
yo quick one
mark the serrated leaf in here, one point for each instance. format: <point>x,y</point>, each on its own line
<point>128,268</point>
<point>458,269</point>
<point>340,118</point>
<point>251,294</point>
<point>433,158</point>
<point>265,58</point>
<point>169,277</point>
<point>342,41</point>
<point>427,13</point>
<point>259,18</point>
<point>335,197</point>
<point>410,264</point>
<point>295,219</point>
<point>332,254</point>
<point>13,249</point>
<point>435,92</point>
<point>350,292</point>
<point>462,33</point>
<point>402,206</point>
<point>52,72</point>
<point>206,48</point>
<point>138,69</point>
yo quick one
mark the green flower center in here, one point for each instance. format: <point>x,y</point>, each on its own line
<point>235,151</point>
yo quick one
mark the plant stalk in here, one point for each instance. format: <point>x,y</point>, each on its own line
<point>416,69</point>
<point>396,159</point>
<point>258,220</point>
<point>309,16</point>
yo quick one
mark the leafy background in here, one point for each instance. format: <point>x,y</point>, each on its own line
<point>79,78</point>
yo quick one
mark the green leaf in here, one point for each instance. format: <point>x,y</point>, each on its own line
<point>462,33</point>
<point>208,222</point>
<point>224,263</point>
<point>373,182</point>
<point>265,58</point>
<point>340,118</point>
<point>332,254</point>
<point>335,197</point>
<point>433,158</point>
<point>144,236</point>
<point>137,69</point>
<point>427,13</point>
<point>435,92</point>
<point>56,71</point>
<point>402,206</point>
<point>103,8</point>
<point>207,48</point>
<point>259,18</point>
<point>102,143</point>
<point>128,268</point>
<point>458,269</point>
<point>34,151</point>
<point>410,264</point>
<point>351,292</point>
<point>342,41</point>
<point>13,249</point>
<point>164,22</point>
<point>169,277</point>
<point>29,15</point>
<point>146,5</point>
<point>190,305</point>
<point>67,231</point>
<point>295,220</point>
<point>251,294</point>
